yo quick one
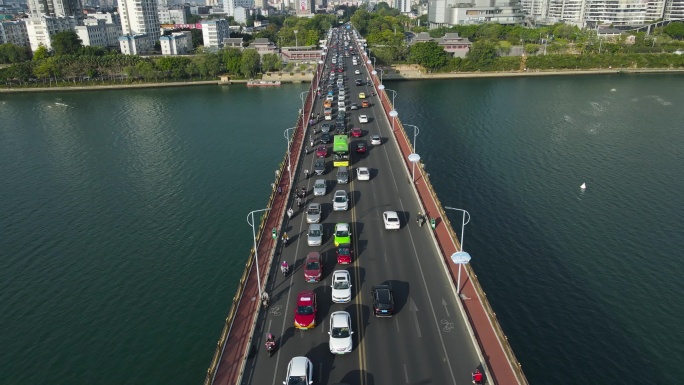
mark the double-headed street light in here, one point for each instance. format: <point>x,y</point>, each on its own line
<point>416,131</point>
<point>286,133</point>
<point>413,158</point>
<point>460,257</point>
<point>250,221</point>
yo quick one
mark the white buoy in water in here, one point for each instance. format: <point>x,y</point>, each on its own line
<point>583,186</point>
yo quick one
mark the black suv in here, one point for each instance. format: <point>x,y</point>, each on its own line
<point>325,137</point>
<point>383,301</point>
<point>358,82</point>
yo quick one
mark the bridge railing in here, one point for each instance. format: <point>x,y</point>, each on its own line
<point>301,125</point>
<point>508,350</point>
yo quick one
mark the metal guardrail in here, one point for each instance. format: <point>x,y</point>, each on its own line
<point>508,350</point>
<point>220,345</point>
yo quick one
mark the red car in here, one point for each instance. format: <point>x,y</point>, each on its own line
<point>356,132</point>
<point>313,269</point>
<point>361,147</point>
<point>305,311</point>
<point>344,254</point>
<point>340,70</point>
<point>321,151</point>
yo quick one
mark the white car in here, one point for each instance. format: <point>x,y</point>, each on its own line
<point>376,140</point>
<point>340,201</point>
<point>341,287</point>
<point>391,220</point>
<point>357,72</point>
<point>330,97</point>
<point>363,118</point>
<point>362,173</point>
<point>341,93</point>
<point>340,333</point>
<point>341,106</point>
<point>299,371</point>
<point>314,237</point>
<point>319,188</point>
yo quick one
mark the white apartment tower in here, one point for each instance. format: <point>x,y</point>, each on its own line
<point>58,8</point>
<point>140,17</point>
<point>214,31</point>
<point>230,5</point>
<point>674,9</point>
<point>404,6</point>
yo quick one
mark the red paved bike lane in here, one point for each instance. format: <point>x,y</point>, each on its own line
<point>235,351</point>
<point>496,360</point>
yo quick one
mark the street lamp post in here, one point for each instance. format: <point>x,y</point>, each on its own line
<point>416,131</point>
<point>296,42</point>
<point>289,164</point>
<point>463,222</point>
<point>413,158</point>
<point>250,216</point>
<point>301,96</point>
<point>392,113</point>
<point>381,73</point>
<point>460,258</point>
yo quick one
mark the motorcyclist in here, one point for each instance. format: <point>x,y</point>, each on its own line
<point>306,173</point>
<point>419,219</point>
<point>285,238</point>
<point>264,299</point>
<point>284,267</point>
<point>270,342</point>
<point>290,213</point>
<point>299,202</point>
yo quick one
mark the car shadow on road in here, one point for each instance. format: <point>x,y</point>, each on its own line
<point>322,367</point>
<point>401,291</point>
<point>354,377</point>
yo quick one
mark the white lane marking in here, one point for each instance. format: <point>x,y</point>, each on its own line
<point>446,308</point>
<point>396,322</point>
<point>414,310</point>
<point>406,373</point>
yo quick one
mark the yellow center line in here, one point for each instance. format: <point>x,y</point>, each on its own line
<point>357,283</point>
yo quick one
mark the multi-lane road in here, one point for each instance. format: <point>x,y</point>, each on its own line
<point>426,341</point>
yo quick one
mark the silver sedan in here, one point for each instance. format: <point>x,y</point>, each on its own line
<point>314,236</point>
<point>313,213</point>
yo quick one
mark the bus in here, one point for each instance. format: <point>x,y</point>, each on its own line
<point>341,151</point>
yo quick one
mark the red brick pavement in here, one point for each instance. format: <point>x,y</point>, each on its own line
<point>236,348</point>
<point>496,360</point>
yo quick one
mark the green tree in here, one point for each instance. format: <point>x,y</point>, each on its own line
<point>232,57</point>
<point>675,30</point>
<point>482,53</point>
<point>271,62</point>
<point>41,53</point>
<point>66,43</point>
<point>531,48</point>
<point>10,53</point>
<point>249,64</point>
<point>504,47</point>
<point>430,55</point>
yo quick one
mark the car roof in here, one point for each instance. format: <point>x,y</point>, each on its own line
<point>340,192</point>
<point>342,226</point>
<point>338,273</point>
<point>306,297</point>
<point>391,214</point>
<point>381,287</point>
<point>314,205</point>
<point>319,181</point>
<point>316,226</point>
<point>339,318</point>
<point>362,169</point>
<point>313,255</point>
<point>298,366</point>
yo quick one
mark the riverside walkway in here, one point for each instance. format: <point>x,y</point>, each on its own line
<point>236,349</point>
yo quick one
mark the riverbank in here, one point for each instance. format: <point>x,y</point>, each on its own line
<point>399,72</point>
<point>414,72</point>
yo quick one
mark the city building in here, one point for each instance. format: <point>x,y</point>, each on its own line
<point>594,13</point>
<point>230,5</point>
<point>232,42</point>
<point>172,16</point>
<point>41,29</point>
<point>214,31</point>
<point>241,15</point>
<point>93,32</point>
<point>404,6</point>
<point>139,24</point>
<point>56,8</point>
<point>178,43</point>
<point>305,7</point>
<point>674,10</point>
<point>447,13</point>
<point>14,32</point>
<point>451,43</point>
<point>263,46</point>
<point>112,25</point>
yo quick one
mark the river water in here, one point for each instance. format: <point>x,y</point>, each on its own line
<point>124,234</point>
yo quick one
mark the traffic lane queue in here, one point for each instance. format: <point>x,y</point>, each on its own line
<point>341,327</point>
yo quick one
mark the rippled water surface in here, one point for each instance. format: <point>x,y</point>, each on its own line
<point>587,284</point>
<point>123,228</point>
<point>123,233</point>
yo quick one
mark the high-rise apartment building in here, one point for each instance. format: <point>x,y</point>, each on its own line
<point>14,32</point>
<point>404,6</point>
<point>230,5</point>
<point>140,17</point>
<point>41,29</point>
<point>214,31</point>
<point>674,10</point>
<point>58,8</point>
<point>454,12</point>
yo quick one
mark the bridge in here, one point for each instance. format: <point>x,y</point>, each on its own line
<point>443,328</point>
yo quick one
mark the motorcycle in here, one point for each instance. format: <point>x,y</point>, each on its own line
<point>270,345</point>
<point>285,269</point>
